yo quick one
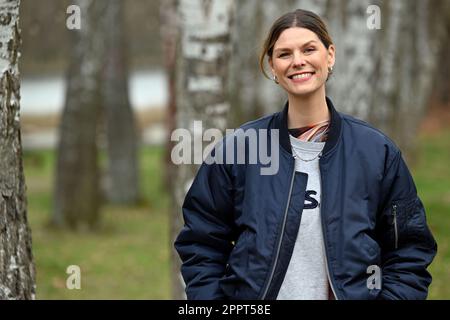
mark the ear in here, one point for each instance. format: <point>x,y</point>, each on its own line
<point>331,55</point>
<point>271,65</point>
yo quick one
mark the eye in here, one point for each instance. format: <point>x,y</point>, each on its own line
<point>310,49</point>
<point>283,54</point>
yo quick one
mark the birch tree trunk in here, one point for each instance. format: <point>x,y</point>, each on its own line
<point>122,177</point>
<point>76,202</point>
<point>202,90</point>
<point>17,273</point>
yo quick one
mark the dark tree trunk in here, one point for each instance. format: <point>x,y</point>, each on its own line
<point>169,38</point>
<point>17,273</point>
<point>76,202</point>
<point>122,179</point>
<point>442,80</point>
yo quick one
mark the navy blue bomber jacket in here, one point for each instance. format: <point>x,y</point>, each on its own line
<point>240,226</point>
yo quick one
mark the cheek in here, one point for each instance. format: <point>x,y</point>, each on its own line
<point>277,66</point>
<point>281,64</point>
<point>320,61</point>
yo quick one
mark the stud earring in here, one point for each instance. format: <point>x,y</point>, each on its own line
<point>275,79</point>
<point>330,70</point>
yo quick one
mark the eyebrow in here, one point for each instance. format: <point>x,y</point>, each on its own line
<point>304,45</point>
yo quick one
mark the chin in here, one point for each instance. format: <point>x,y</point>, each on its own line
<point>304,92</point>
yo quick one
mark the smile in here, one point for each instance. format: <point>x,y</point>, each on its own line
<point>301,76</point>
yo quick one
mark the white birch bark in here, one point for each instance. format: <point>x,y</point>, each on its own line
<point>17,272</point>
<point>202,86</point>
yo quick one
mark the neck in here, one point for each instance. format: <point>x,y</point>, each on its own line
<point>307,110</point>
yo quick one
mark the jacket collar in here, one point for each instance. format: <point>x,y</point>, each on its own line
<point>280,123</point>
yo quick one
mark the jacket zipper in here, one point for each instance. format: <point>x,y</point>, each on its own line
<point>394,212</point>
<point>330,280</point>
<point>281,237</point>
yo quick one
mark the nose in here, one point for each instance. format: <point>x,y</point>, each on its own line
<point>298,60</point>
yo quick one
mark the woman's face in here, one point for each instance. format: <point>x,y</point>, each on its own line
<point>300,61</point>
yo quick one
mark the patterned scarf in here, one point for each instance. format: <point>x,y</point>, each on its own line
<point>314,133</point>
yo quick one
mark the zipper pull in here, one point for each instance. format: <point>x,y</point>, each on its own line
<point>394,222</point>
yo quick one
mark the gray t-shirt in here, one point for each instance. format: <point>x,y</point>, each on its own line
<point>306,276</point>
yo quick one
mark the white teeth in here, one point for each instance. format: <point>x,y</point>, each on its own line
<point>302,76</point>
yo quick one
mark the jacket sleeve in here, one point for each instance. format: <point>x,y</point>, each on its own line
<point>205,241</point>
<point>407,245</point>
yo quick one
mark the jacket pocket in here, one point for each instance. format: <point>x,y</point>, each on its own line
<point>237,265</point>
<point>393,228</point>
<point>404,222</point>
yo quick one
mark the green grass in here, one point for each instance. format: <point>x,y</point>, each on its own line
<point>128,258</point>
<point>432,177</point>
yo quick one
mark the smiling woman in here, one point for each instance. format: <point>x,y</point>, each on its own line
<point>301,67</point>
<point>339,219</point>
<point>301,56</point>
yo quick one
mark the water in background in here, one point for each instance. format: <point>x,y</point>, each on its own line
<point>43,95</point>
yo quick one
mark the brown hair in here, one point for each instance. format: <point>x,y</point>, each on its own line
<point>298,18</point>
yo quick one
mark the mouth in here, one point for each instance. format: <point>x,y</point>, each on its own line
<point>301,76</point>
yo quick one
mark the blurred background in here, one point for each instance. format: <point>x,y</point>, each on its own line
<point>98,105</point>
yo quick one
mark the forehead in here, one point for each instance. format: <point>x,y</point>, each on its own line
<point>295,36</point>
